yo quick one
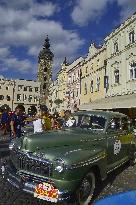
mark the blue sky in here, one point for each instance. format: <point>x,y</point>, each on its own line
<point>70,24</point>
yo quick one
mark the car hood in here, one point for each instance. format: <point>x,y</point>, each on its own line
<point>55,139</point>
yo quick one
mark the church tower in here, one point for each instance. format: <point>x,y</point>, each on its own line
<point>45,60</point>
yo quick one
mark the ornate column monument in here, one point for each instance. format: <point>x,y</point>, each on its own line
<point>45,60</point>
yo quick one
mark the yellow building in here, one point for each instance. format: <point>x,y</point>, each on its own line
<point>92,78</point>
<point>62,87</point>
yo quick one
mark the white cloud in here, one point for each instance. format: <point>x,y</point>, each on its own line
<point>4,52</point>
<point>12,63</point>
<point>128,7</point>
<point>21,25</point>
<point>46,9</point>
<point>88,10</point>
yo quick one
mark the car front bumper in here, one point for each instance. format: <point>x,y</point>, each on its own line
<point>27,182</point>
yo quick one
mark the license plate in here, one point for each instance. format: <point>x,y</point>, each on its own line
<point>46,192</point>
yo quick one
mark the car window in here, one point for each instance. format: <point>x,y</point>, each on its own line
<point>93,122</point>
<point>114,124</point>
<point>125,123</point>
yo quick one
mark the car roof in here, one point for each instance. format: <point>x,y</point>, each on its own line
<point>106,114</point>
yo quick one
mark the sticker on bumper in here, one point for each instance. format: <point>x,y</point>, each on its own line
<point>46,192</point>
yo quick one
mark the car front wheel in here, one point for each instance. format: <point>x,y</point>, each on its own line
<point>86,190</point>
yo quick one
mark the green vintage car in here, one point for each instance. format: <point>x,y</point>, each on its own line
<point>67,165</point>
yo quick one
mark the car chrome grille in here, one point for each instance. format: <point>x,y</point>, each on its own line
<point>31,164</point>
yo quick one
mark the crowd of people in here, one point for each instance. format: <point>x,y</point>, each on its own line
<point>42,121</point>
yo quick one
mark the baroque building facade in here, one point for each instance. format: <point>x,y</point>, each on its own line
<point>45,60</point>
<point>74,84</point>
<point>93,72</point>
<point>26,93</point>
<point>19,91</point>
<point>62,86</point>
<point>121,59</point>
<point>107,76</point>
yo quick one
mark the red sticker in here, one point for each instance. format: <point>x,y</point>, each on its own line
<point>46,192</point>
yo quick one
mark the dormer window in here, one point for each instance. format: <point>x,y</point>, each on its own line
<point>132,37</point>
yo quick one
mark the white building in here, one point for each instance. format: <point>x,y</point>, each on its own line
<point>6,92</point>
<point>121,59</point>
<point>27,93</point>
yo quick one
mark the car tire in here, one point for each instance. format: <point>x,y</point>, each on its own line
<point>133,159</point>
<point>87,189</point>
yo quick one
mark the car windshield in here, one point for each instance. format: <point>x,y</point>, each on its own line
<point>92,122</point>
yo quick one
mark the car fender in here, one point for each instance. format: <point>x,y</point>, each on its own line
<point>86,159</point>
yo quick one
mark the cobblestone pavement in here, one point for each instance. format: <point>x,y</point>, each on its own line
<point>123,179</point>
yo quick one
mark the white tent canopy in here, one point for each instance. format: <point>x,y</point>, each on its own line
<point>124,101</point>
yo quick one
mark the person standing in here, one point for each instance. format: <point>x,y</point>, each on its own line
<point>5,121</point>
<point>46,120</point>
<point>37,123</point>
<point>16,122</point>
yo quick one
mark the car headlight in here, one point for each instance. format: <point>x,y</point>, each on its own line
<point>59,165</point>
<point>11,145</point>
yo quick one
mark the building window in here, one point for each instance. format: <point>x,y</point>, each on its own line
<point>36,89</point>
<point>30,98</point>
<point>36,99</point>
<point>91,86</point>
<point>116,48</point>
<point>132,37</point>
<point>98,84</point>
<point>0,87</point>
<point>24,97</point>
<point>18,97</point>
<point>19,87</point>
<point>45,78</point>
<point>30,89</point>
<point>98,62</point>
<point>25,88</point>
<point>7,88</point>
<point>116,76</point>
<point>106,81</point>
<point>8,98</point>
<point>85,89</point>
<point>133,70</point>
<point>1,97</point>
<point>86,69</point>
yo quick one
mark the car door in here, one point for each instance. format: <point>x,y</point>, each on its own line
<point>125,137</point>
<point>114,144</point>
